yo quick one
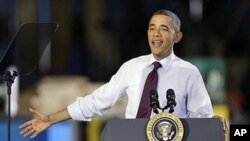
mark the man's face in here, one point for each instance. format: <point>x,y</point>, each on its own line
<point>162,36</point>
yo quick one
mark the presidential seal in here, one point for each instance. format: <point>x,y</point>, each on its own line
<point>165,127</point>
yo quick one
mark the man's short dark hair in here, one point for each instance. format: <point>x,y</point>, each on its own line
<point>175,19</point>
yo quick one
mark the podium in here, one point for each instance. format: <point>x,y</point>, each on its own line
<point>195,129</point>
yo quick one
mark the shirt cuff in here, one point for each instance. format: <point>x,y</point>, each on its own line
<point>75,112</point>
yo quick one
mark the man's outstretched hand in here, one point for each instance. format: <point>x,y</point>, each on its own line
<point>35,126</point>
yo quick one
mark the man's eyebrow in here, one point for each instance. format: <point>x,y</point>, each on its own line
<point>162,25</point>
<point>151,25</point>
<point>165,26</point>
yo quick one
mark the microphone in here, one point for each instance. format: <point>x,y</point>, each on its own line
<point>154,103</point>
<point>171,103</point>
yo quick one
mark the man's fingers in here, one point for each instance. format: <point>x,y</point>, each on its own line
<point>224,123</point>
<point>27,129</point>
<point>34,134</point>
<point>226,126</point>
<point>29,132</point>
<point>26,124</point>
<point>35,112</point>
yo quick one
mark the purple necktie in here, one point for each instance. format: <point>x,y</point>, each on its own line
<point>144,110</point>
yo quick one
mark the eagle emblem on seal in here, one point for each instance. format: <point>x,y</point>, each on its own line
<point>165,131</point>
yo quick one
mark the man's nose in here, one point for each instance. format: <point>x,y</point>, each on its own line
<point>157,33</point>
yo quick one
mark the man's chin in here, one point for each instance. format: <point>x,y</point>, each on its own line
<point>157,56</point>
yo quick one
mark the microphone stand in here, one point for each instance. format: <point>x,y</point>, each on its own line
<point>9,79</point>
<point>171,109</point>
<point>165,108</point>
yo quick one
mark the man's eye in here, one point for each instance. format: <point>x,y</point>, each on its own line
<point>151,29</point>
<point>165,29</point>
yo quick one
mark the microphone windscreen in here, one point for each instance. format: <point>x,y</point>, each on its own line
<point>154,93</point>
<point>170,93</point>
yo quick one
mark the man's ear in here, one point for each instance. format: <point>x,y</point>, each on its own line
<point>178,37</point>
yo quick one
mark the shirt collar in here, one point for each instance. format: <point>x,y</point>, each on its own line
<point>165,62</point>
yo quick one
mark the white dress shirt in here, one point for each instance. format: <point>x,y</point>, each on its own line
<point>184,78</point>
